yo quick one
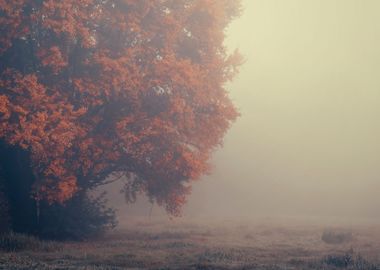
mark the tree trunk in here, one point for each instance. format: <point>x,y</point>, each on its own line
<point>4,208</point>
<point>17,184</point>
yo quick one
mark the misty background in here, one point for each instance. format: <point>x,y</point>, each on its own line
<point>307,141</point>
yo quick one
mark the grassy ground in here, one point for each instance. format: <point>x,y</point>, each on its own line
<point>213,245</point>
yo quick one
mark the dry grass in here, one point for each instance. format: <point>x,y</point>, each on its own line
<point>14,242</point>
<point>214,245</point>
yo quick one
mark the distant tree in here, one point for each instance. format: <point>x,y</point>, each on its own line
<point>96,90</point>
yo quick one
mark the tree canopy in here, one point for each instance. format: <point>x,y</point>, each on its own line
<point>94,90</point>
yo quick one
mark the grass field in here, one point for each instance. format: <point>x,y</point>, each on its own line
<point>178,244</point>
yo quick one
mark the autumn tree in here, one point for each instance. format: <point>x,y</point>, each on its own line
<point>98,90</point>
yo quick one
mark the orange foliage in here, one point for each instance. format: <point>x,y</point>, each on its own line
<point>93,88</point>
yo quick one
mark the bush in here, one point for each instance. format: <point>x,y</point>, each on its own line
<point>82,217</point>
<point>336,236</point>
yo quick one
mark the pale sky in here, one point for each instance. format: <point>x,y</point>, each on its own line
<point>307,141</point>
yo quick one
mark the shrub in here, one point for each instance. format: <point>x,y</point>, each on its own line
<point>80,218</point>
<point>336,236</point>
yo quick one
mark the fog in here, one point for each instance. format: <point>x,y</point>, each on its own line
<point>307,140</point>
